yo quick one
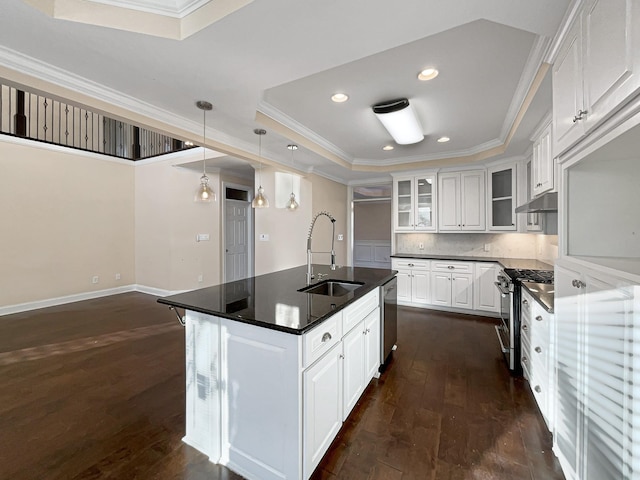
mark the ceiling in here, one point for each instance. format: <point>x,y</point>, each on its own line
<point>274,65</point>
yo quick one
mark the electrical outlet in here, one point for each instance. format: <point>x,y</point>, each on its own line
<point>117,276</point>
<point>487,247</point>
<point>95,279</point>
<point>200,278</point>
<point>340,237</point>
<point>421,246</point>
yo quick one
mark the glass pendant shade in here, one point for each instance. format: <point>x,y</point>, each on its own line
<point>205,193</point>
<point>292,204</point>
<point>260,200</point>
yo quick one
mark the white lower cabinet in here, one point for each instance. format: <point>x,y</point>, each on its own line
<point>535,353</point>
<point>452,284</point>
<point>323,407</point>
<point>413,281</point>
<point>334,383</point>
<point>486,296</point>
<point>596,427</point>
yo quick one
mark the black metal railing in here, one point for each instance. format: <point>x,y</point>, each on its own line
<point>41,118</point>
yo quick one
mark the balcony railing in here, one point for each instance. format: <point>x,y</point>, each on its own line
<point>37,117</point>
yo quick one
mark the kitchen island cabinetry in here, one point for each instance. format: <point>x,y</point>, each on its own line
<point>265,393</point>
<point>597,68</point>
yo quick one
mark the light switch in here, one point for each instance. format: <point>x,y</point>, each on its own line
<point>202,237</point>
<point>264,237</point>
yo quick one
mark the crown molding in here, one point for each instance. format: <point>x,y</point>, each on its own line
<point>544,123</point>
<point>570,16</point>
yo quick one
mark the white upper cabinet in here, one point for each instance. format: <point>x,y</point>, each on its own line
<point>414,201</point>
<point>597,68</point>
<point>542,166</point>
<point>461,201</point>
<point>502,197</point>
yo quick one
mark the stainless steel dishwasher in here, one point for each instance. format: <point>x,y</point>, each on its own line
<point>389,327</point>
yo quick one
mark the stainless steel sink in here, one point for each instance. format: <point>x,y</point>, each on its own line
<point>332,288</point>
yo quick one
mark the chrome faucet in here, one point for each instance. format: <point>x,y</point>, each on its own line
<point>310,252</point>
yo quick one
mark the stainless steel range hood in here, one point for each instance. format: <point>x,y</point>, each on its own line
<point>547,202</point>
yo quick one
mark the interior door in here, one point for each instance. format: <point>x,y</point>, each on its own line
<point>236,240</point>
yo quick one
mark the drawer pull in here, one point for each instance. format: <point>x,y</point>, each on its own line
<point>525,360</point>
<point>537,388</point>
<point>326,337</point>
<point>539,318</point>
<point>538,350</point>
<point>451,267</point>
<point>525,327</point>
<point>525,302</point>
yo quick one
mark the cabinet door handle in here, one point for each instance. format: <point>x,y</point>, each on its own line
<point>539,318</point>
<point>579,116</point>
<point>525,302</point>
<point>537,388</point>
<point>341,356</point>
<point>525,328</point>
<point>578,283</point>
<point>538,350</point>
<point>525,359</point>
<point>326,337</point>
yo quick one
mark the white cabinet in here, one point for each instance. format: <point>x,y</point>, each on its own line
<point>461,201</point>
<point>323,407</point>
<point>542,165</point>
<point>597,68</point>
<point>486,296</point>
<point>596,428</point>
<point>413,281</point>
<point>361,359</point>
<point>535,353</point>
<point>502,198</point>
<point>452,284</point>
<point>414,202</point>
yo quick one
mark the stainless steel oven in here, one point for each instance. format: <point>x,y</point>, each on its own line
<point>507,329</point>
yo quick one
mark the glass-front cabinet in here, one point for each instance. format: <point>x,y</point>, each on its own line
<point>414,203</point>
<point>502,197</point>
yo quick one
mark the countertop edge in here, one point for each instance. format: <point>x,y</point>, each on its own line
<point>364,290</point>
<point>467,258</point>
<point>536,296</point>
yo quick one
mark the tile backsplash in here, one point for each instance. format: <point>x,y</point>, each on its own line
<point>501,245</point>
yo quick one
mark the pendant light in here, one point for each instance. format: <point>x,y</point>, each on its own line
<point>204,192</point>
<point>260,200</point>
<point>292,204</point>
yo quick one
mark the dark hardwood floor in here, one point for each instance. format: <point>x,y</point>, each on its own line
<point>95,390</point>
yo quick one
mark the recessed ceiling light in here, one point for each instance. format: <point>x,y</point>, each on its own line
<point>443,139</point>
<point>339,97</point>
<point>428,74</point>
<point>387,147</point>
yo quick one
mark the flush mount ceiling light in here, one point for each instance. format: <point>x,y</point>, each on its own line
<point>443,139</point>
<point>339,97</point>
<point>292,204</point>
<point>428,74</point>
<point>260,200</point>
<point>400,120</point>
<point>386,148</point>
<point>204,192</point>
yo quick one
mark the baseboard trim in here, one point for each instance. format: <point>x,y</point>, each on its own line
<point>78,297</point>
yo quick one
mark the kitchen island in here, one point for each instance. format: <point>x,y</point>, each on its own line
<point>272,371</point>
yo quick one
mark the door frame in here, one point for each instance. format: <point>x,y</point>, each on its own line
<point>223,229</point>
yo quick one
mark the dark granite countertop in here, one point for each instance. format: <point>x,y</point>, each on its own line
<point>523,263</point>
<point>542,292</point>
<point>273,300</point>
